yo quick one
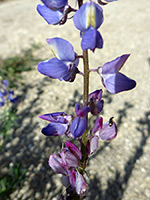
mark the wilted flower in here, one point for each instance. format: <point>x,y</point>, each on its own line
<point>95,102</point>
<point>78,182</point>
<point>105,131</point>
<point>88,19</point>
<point>68,159</point>
<point>112,79</point>
<point>66,165</point>
<point>64,65</point>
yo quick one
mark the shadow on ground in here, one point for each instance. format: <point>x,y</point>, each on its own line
<point>33,155</point>
<point>117,186</point>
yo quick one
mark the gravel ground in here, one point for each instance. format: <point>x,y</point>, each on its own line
<point>120,169</point>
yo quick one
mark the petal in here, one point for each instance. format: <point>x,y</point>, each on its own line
<point>74,149</point>
<point>55,163</point>
<point>99,40</point>
<point>81,184</point>
<point>77,107</point>
<point>55,4</point>
<point>65,181</point>
<point>62,49</point>
<point>98,125</point>
<point>118,82</point>
<point>72,178</point>
<point>79,18</point>
<point>108,131</point>
<point>55,129</point>
<point>68,159</point>
<point>51,16</point>
<point>98,11</point>
<point>53,68</point>
<point>91,40</point>
<point>93,144</point>
<point>57,117</point>
<point>89,14</point>
<point>114,65</point>
<point>78,126</point>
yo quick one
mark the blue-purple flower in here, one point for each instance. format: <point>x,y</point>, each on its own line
<point>112,79</point>
<point>5,93</point>
<point>64,65</point>
<point>88,19</point>
<point>59,123</point>
<point>54,12</point>
<point>79,124</point>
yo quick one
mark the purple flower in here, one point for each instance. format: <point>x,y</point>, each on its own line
<point>54,12</point>
<point>59,125</point>
<point>95,102</point>
<point>112,79</point>
<point>79,124</point>
<point>5,93</point>
<point>106,131</point>
<point>88,19</point>
<point>64,65</point>
<point>70,155</point>
<point>5,83</point>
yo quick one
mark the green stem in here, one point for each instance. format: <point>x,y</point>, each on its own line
<point>84,136</point>
<point>86,93</point>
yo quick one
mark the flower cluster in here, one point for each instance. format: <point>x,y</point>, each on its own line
<point>67,164</point>
<point>71,161</point>
<point>61,123</point>
<point>5,93</point>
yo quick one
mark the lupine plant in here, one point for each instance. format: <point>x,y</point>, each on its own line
<point>7,114</point>
<point>72,161</point>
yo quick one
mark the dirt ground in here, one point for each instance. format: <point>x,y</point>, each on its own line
<point>120,169</point>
